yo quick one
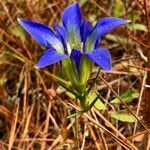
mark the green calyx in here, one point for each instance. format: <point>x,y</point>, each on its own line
<point>86,66</point>
<point>78,78</point>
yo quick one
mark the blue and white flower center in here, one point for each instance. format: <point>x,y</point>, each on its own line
<point>70,47</point>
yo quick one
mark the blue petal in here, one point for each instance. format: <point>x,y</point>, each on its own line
<point>61,33</point>
<point>101,28</point>
<point>43,34</point>
<point>101,57</point>
<point>76,56</point>
<point>85,30</point>
<point>49,57</point>
<point>71,19</point>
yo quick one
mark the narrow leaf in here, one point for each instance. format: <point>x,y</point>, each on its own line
<point>98,104</point>
<point>127,97</point>
<point>123,115</point>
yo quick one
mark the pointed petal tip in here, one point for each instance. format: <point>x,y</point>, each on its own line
<point>40,65</point>
<point>18,19</point>
<point>36,66</point>
<point>125,21</point>
<point>128,21</point>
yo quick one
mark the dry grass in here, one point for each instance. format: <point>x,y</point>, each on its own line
<point>34,109</point>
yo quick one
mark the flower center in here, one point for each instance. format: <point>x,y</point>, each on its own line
<point>70,47</point>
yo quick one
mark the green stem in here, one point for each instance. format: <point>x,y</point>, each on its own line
<point>57,79</point>
<point>92,104</point>
<point>71,91</point>
<point>90,88</point>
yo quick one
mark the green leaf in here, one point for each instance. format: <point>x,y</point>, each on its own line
<point>127,97</point>
<point>70,95</point>
<point>123,115</point>
<point>111,37</point>
<point>2,81</point>
<point>134,15</point>
<point>98,104</point>
<point>19,32</point>
<point>117,38</point>
<point>132,70</point>
<point>118,8</point>
<point>137,26</point>
<point>82,2</point>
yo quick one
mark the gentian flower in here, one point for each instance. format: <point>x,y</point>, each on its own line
<point>75,43</point>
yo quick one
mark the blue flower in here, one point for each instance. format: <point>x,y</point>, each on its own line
<point>75,41</point>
